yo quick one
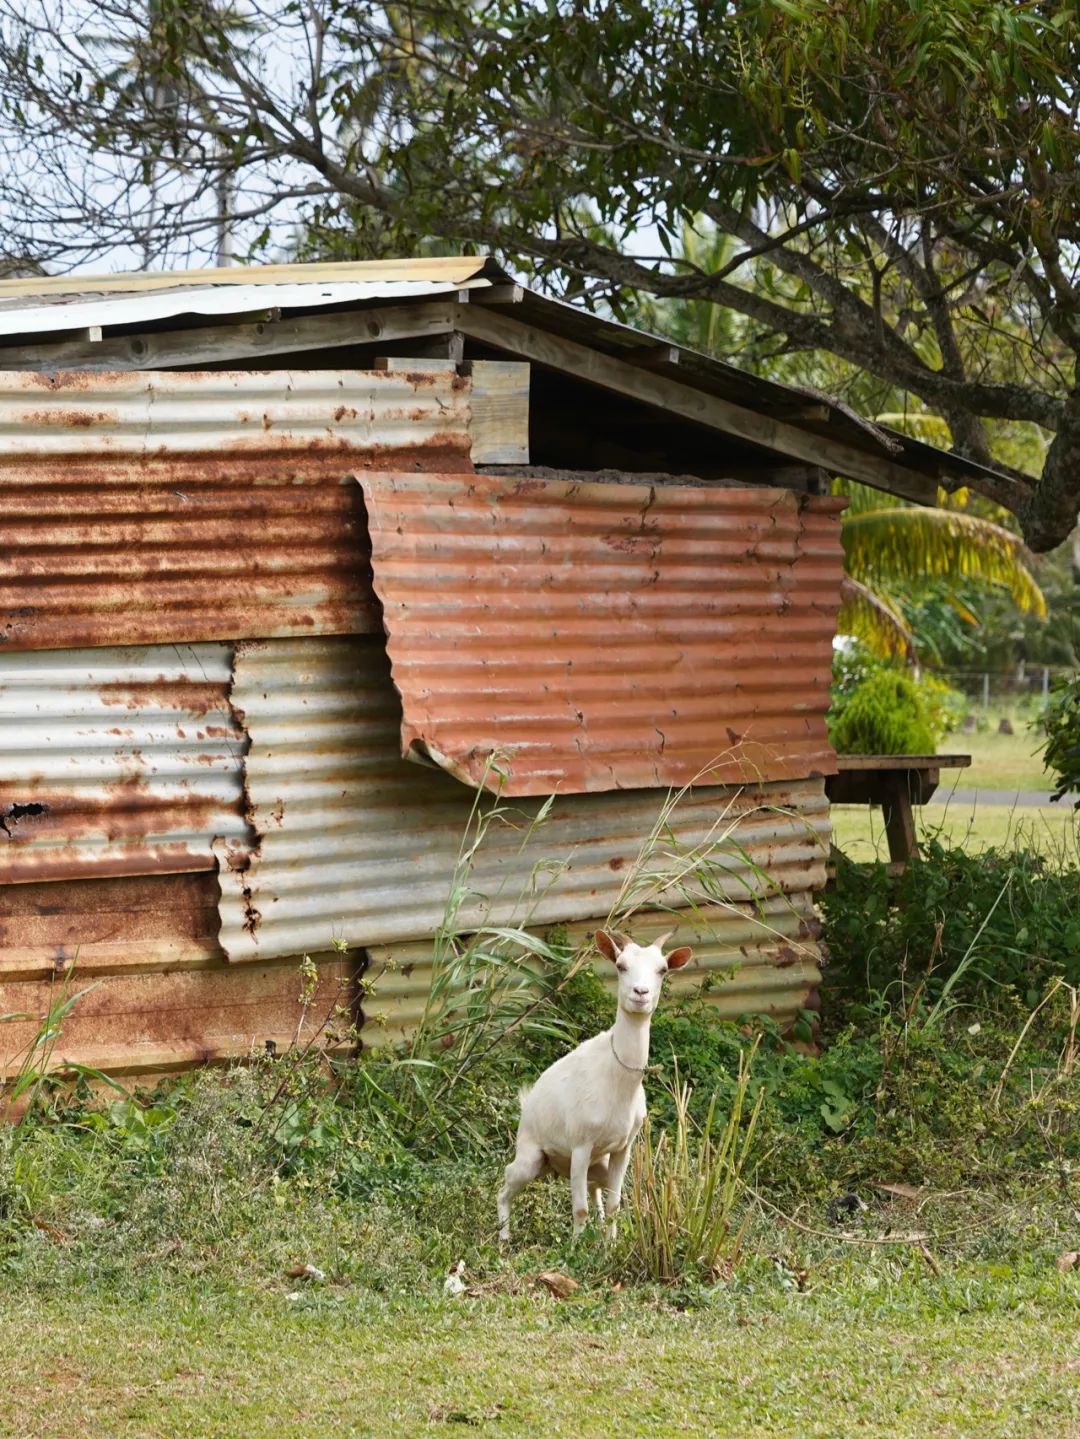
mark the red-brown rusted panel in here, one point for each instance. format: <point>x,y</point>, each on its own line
<point>142,508</point>
<point>550,636</point>
<point>142,1024</point>
<point>163,997</point>
<point>99,927</point>
<point>118,761</point>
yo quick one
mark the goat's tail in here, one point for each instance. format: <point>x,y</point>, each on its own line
<point>524,1092</point>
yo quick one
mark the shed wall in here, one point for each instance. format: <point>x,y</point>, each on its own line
<point>553,636</point>
<point>747,960</point>
<point>148,508</point>
<point>117,761</point>
<point>355,843</point>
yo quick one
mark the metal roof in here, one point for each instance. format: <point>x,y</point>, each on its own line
<point>76,303</point>
<point>552,636</point>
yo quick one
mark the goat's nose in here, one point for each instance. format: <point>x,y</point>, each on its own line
<point>641,989</point>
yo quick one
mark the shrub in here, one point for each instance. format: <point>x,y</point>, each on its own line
<point>885,715</point>
<point>1014,917</point>
<point>1061,724</point>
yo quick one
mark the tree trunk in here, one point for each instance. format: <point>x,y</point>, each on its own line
<point>1050,515</point>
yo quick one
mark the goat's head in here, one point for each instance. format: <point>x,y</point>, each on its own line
<point>641,968</point>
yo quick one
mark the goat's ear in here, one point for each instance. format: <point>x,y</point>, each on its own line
<point>610,944</point>
<point>678,957</point>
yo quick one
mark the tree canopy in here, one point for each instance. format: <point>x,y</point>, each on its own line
<point>899,177</point>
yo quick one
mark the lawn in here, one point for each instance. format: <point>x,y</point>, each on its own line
<point>998,761</point>
<point>1053,829</point>
<point>930,1358</point>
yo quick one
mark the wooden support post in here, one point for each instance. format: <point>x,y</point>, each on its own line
<point>899,822</point>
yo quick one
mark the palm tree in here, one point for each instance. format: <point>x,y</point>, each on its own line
<point>892,548</point>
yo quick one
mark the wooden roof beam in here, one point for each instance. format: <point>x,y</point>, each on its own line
<point>225,343</point>
<point>496,328</point>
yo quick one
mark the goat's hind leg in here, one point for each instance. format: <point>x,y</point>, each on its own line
<point>527,1164</point>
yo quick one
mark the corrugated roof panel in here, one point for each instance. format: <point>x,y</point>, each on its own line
<point>71,311</point>
<point>746,961</point>
<point>146,508</point>
<point>356,843</point>
<point>453,270</point>
<point>554,636</point>
<point>117,762</point>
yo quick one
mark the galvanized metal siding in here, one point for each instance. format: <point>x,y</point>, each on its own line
<point>356,843</point>
<point>117,761</point>
<point>549,636</point>
<point>152,507</point>
<point>747,960</point>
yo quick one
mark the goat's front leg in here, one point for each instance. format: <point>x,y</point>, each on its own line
<point>580,1160</point>
<point>617,1162</point>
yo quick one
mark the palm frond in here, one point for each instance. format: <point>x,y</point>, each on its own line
<point>874,619</point>
<point>894,543</point>
<point>862,499</point>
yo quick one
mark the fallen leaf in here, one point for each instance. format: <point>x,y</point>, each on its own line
<point>561,1285</point>
<point>57,1235</point>
<point>305,1271</point>
<point>901,1191</point>
<point>1068,1260</point>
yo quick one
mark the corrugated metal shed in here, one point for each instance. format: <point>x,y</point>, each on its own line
<point>553,636</point>
<point>117,761</point>
<point>354,843</point>
<point>73,303</point>
<point>202,506</point>
<point>747,960</point>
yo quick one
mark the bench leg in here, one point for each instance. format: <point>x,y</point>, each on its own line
<point>899,822</point>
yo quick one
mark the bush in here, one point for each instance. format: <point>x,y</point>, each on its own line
<point>1061,723</point>
<point>1012,919</point>
<point>885,715</point>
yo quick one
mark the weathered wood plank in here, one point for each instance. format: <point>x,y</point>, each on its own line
<point>500,412</point>
<point>217,344</point>
<point>903,761</point>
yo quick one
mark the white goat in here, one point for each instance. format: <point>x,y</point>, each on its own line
<point>583,1114</point>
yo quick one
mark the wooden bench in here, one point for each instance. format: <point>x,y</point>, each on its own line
<point>895,782</point>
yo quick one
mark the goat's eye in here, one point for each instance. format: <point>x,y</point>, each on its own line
<point>621,968</point>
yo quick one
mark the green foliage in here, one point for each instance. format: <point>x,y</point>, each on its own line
<point>885,714</point>
<point>911,932</point>
<point>685,1185</point>
<point>1061,724</point>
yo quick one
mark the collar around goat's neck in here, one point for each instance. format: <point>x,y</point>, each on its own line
<point>630,1041</point>
<point>631,1068</point>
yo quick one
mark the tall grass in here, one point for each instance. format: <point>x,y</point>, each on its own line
<point>494,987</point>
<point>685,1185</point>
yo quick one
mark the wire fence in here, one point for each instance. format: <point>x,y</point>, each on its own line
<point>1023,684</point>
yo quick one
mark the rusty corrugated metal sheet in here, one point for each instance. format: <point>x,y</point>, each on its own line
<point>139,924</point>
<point>356,843</point>
<point>117,761</point>
<point>746,961</point>
<point>168,998</point>
<point>149,507</point>
<point>548,636</point>
<point>163,1022</point>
